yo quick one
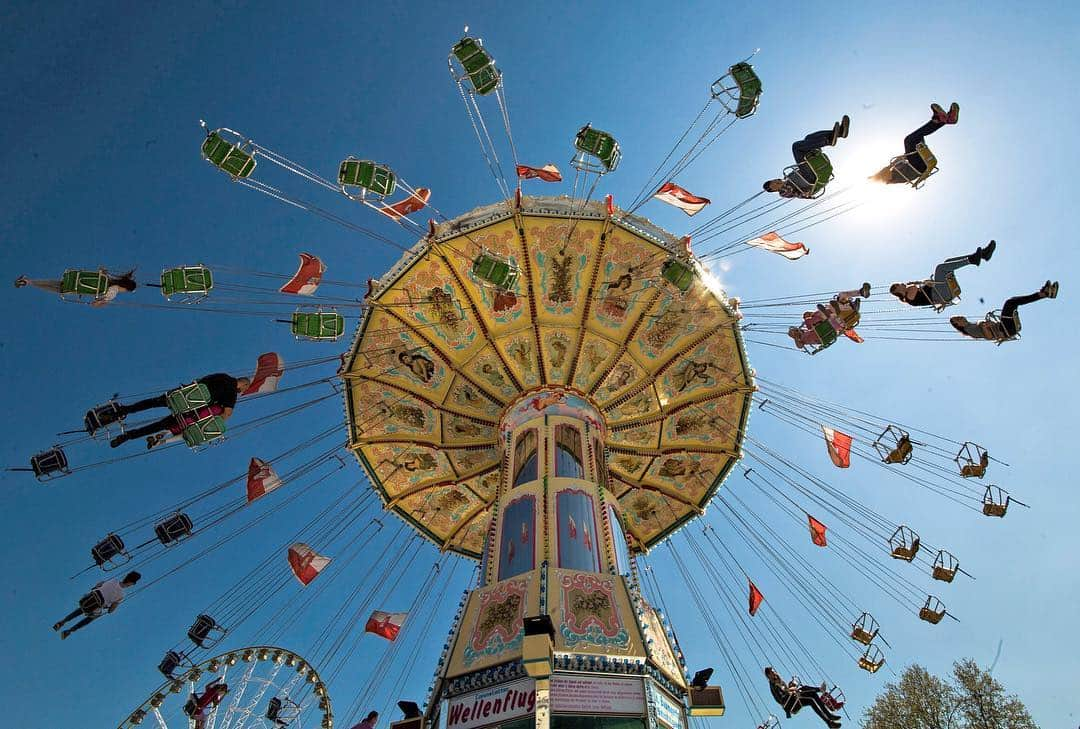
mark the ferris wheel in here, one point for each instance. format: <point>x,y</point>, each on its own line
<point>253,688</point>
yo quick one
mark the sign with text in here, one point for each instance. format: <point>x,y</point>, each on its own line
<point>667,711</point>
<point>492,705</point>
<point>597,695</point>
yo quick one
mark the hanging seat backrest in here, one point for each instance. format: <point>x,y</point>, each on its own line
<point>370,176</point>
<point>187,398</point>
<point>749,89</point>
<point>905,169</point>
<point>478,64</point>
<point>600,145</point>
<point>821,166</point>
<point>944,574</point>
<point>868,665</point>
<point>931,616</point>
<point>825,333</point>
<point>228,157</point>
<point>495,271</point>
<point>108,550</point>
<point>993,318</point>
<point>906,552</point>
<point>902,453</point>
<point>92,603</point>
<point>84,283</point>
<point>194,280</point>
<point>318,325</point>
<point>173,529</point>
<point>862,636</point>
<point>49,464</point>
<point>678,273</point>
<point>202,627</point>
<point>994,509</point>
<point>973,470</point>
<point>204,430</point>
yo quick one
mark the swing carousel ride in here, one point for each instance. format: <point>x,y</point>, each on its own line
<point>555,387</point>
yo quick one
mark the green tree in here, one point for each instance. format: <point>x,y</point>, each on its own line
<point>970,699</point>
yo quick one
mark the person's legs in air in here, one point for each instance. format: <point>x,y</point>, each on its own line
<point>74,614</point>
<point>147,404</point>
<point>808,696</point>
<point>1008,309</point>
<point>50,285</point>
<point>81,624</point>
<point>155,427</point>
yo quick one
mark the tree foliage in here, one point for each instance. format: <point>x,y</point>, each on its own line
<point>969,699</point>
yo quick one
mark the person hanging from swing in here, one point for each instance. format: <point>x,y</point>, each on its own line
<point>942,289</point>
<point>792,697</point>
<point>223,388</point>
<point>842,313</point>
<point>200,706</point>
<point>115,284</point>
<point>913,167</point>
<point>803,180</point>
<point>1006,325</point>
<point>103,598</point>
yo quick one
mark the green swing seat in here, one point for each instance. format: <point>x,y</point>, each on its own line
<point>679,274</point>
<point>188,399</point>
<point>748,88</point>
<point>496,271</point>
<point>190,283</point>
<point>76,284</point>
<point>822,168</point>
<point>902,166</point>
<point>370,177</point>
<point>320,326</point>
<point>478,65</point>
<point>826,334</point>
<point>227,156</point>
<point>600,145</point>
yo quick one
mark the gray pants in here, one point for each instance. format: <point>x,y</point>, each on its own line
<point>44,284</point>
<point>939,290</point>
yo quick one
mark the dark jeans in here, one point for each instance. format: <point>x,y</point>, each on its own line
<point>154,427</point>
<point>1009,321</point>
<point>809,696</point>
<point>81,624</point>
<point>809,143</point>
<point>916,138</point>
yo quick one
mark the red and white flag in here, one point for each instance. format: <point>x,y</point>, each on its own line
<point>261,479</point>
<point>683,199</point>
<point>853,336</point>
<point>386,625</point>
<point>773,242</point>
<point>839,445</point>
<point>609,203</point>
<point>547,173</point>
<point>817,532</point>
<point>268,371</point>
<point>307,277</point>
<point>409,205</point>
<point>306,563</point>
<point>756,598</point>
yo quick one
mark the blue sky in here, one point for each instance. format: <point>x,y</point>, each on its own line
<point>101,168</point>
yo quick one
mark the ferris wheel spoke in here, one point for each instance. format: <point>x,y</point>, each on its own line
<point>237,697</point>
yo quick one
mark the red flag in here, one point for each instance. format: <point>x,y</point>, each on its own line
<point>306,563</point>
<point>307,277</point>
<point>261,479</point>
<point>411,204</point>
<point>773,242</point>
<point>268,371</point>
<point>839,445</point>
<point>756,598</point>
<point>681,198</point>
<point>853,336</point>
<point>386,625</point>
<point>547,173</point>
<point>817,532</point>
<point>609,203</point>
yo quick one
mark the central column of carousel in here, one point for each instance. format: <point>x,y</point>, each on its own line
<point>558,634</point>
